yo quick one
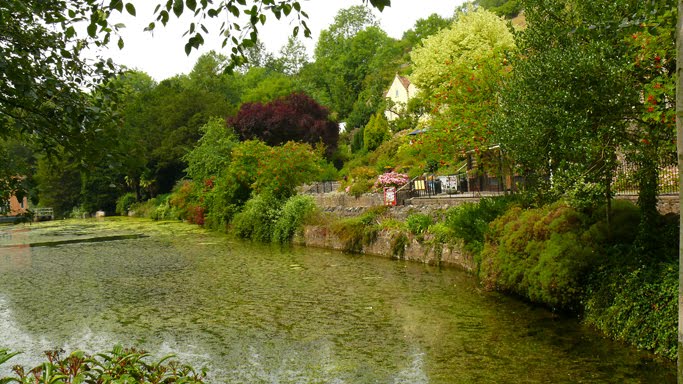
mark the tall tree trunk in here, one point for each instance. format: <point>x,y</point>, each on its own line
<point>679,145</point>
<point>648,177</point>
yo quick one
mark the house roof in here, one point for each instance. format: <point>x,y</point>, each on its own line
<point>404,81</point>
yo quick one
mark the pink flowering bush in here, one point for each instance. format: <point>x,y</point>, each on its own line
<point>391,179</point>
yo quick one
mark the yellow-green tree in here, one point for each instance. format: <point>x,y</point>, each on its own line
<point>376,132</point>
<point>460,70</point>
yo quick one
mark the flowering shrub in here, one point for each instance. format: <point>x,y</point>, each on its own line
<point>391,179</point>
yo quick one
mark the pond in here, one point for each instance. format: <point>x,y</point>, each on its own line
<point>254,313</point>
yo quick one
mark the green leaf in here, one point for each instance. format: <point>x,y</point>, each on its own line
<point>117,5</point>
<point>380,4</point>
<point>92,30</point>
<point>234,10</point>
<point>6,355</point>
<point>163,16</point>
<point>192,4</point>
<point>262,17</point>
<point>178,7</point>
<point>120,43</point>
<point>70,32</point>
<point>130,8</point>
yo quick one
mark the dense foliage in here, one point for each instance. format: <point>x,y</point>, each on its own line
<point>460,70</point>
<point>543,254</point>
<point>295,117</point>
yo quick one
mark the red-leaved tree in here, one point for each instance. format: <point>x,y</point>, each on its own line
<point>296,117</point>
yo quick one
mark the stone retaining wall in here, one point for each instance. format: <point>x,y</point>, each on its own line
<point>345,205</point>
<point>414,250</point>
<point>665,203</point>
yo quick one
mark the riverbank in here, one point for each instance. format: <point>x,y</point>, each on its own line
<point>567,259</point>
<point>253,312</point>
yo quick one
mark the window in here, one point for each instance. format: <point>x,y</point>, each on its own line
<point>397,93</point>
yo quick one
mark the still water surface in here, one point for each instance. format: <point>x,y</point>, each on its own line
<point>255,313</point>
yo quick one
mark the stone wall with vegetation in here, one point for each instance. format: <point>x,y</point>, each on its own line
<point>392,244</point>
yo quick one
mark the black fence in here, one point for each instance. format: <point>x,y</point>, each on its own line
<point>461,184</point>
<point>474,183</point>
<point>625,181</point>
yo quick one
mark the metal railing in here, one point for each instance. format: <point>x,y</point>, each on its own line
<point>43,214</point>
<point>462,184</point>
<point>625,180</point>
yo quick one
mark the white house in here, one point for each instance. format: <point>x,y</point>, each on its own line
<point>400,91</point>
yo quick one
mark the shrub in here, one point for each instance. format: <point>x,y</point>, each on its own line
<point>441,232</point>
<point>362,180</point>
<point>257,220</point>
<point>356,232</point>
<point>124,202</point>
<point>120,365</point>
<point>392,224</point>
<point>398,245</point>
<point>376,132</point>
<point>391,179</point>
<point>286,167</point>
<point>78,212</point>
<point>225,199</point>
<point>294,213</point>
<point>625,218</point>
<point>157,208</point>
<point>470,221</point>
<point>185,199</point>
<point>543,254</point>
<point>162,209</point>
<point>418,223</point>
<point>637,305</point>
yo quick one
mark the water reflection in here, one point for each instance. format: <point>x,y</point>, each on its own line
<point>256,313</point>
<point>18,255</point>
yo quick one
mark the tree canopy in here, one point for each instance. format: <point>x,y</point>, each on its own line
<point>295,117</point>
<point>459,71</point>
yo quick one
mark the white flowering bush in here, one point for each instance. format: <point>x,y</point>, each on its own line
<point>391,179</point>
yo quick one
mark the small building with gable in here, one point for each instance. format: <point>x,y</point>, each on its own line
<point>14,206</point>
<point>400,92</point>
